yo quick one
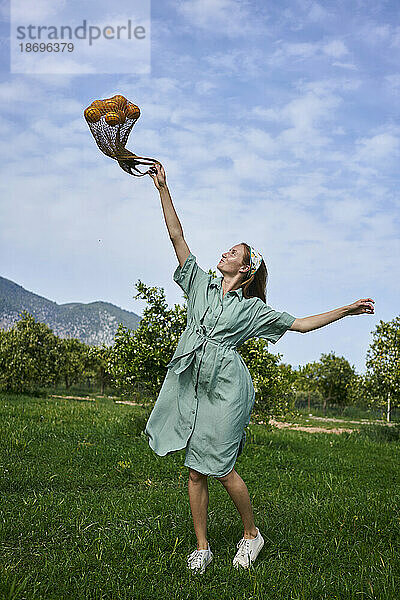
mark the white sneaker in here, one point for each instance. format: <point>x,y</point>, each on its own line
<point>248,551</point>
<point>198,560</point>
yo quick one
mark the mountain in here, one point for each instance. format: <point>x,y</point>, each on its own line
<point>94,323</point>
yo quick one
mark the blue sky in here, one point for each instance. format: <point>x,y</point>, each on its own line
<point>277,124</point>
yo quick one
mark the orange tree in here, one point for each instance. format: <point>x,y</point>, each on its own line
<point>273,382</point>
<point>96,364</point>
<point>72,360</point>
<point>383,364</point>
<point>335,376</point>
<point>141,356</point>
<point>306,383</point>
<point>30,356</point>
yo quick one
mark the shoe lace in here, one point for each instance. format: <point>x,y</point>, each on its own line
<point>244,547</point>
<point>195,558</point>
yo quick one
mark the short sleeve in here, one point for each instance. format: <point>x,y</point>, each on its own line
<point>271,324</point>
<point>190,276</point>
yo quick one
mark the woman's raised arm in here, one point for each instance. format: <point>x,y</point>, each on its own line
<point>171,218</point>
<point>359,307</point>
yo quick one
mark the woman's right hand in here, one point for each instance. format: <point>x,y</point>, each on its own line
<point>157,174</point>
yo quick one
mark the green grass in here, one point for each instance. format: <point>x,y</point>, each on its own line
<point>88,511</point>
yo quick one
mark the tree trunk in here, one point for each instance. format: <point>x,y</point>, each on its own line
<point>388,411</point>
<point>309,402</point>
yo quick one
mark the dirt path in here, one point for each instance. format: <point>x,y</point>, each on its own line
<point>74,397</point>
<point>281,425</point>
<point>361,422</point>
<point>131,402</point>
<point>319,429</point>
<point>88,398</point>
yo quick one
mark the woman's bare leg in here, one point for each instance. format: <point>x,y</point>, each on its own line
<point>237,489</point>
<point>198,498</point>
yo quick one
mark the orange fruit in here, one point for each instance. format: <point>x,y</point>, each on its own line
<point>97,104</point>
<point>100,105</point>
<point>112,118</point>
<point>92,114</point>
<point>120,100</point>
<point>111,105</point>
<point>132,111</point>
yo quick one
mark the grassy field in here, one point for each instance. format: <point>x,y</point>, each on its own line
<point>88,511</point>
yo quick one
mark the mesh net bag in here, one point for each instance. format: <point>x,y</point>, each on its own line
<point>111,121</point>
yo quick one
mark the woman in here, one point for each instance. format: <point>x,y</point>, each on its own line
<point>207,396</point>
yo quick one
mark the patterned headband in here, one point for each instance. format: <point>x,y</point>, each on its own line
<point>255,261</point>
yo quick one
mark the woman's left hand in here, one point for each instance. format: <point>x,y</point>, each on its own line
<point>365,305</point>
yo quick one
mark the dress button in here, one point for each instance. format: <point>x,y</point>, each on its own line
<point>192,412</point>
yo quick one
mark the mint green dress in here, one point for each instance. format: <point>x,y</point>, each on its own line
<point>207,396</point>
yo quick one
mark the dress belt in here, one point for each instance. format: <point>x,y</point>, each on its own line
<point>186,359</point>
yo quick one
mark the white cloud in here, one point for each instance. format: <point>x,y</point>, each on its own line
<point>289,50</point>
<point>376,33</point>
<point>306,117</point>
<point>350,66</point>
<point>300,14</point>
<point>378,148</point>
<point>395,41</point>
<point>304,113</point>
<point>267,114</point>
<point>335,48</point>
<point>23,94</point>
<point>51,64</point>
<point>227,17</point>
<point>393,80</point>
<point>205,87</point>
<point>246,63</point>
<point>317,12</point>
<point>307,191</point>
<point>25,11</point>
<point>327,86</point>
<point>293,52</point>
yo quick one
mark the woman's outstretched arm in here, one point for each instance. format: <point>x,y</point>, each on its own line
<point>359,307</point>
<point>171,218</point>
